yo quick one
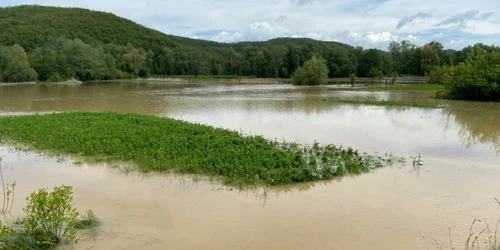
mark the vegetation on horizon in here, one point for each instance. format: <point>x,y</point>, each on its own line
<point>139,51</point>
<point>163,144</point>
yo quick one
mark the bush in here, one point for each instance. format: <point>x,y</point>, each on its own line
<point>55,77</point>
<point>437,75</point>
<point>50,219</point>
<point>51,215</point>
<point>314,72</point>
<point>477,79</point>
<point>352,79</point>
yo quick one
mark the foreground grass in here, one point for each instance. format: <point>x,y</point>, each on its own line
<point>163,144</point>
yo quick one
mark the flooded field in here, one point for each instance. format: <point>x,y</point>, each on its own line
<point>393,208</point>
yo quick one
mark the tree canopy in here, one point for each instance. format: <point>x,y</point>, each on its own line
<point>314,72</point>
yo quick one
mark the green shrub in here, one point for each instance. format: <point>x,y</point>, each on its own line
<point>437,75</point>
<point>314,72</point>
<point>478,78</point>
<point>352,79</point>
<point>51,215</point>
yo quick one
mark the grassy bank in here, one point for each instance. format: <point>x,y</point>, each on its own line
<point>162,144</point>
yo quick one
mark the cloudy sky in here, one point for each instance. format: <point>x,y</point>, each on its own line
<point>368,23</point>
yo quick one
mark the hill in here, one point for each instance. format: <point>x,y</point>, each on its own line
<point>61,43</point>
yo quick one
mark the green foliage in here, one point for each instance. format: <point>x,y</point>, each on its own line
<point>430,58</point>
<point>370,61</point>
<point>66,43</point>
<point>63,59</point>
<point>352,79</point>
<point>17,67</point>
<point>478,78</point>
<point>314,72</point>
<point>437,75</point>
<point>51,215</point>
<point>163,144</point>
<point>87,221</point>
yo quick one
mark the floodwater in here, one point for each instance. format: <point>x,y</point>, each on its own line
<point>393,208</point>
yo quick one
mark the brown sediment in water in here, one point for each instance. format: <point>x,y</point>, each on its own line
<point>393,208</point>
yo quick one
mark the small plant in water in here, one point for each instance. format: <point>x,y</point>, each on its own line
<point>51,215</point>
<point>417,161</point>
<point>88,221</point>
<point>50,219</point>
<point>8,192</point>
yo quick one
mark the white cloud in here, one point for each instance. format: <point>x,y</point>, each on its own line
<point>412,38</point>
<point>368,23</point>
<point>380,37</point>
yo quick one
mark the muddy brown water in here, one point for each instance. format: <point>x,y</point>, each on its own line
<point>393,208</point>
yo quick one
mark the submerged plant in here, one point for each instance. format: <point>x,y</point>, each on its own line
<point>163,144</point>
<point>87,221</point>
<point>51,214</point>
<point>8,192</point>
<point>50,219</point>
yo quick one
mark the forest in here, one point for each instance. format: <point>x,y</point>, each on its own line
<point>54,44</point>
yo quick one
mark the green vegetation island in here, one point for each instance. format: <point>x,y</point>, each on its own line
<point>52,44</point>
<point>155,144</point>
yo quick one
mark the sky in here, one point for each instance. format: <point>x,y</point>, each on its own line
<point>367,23</point>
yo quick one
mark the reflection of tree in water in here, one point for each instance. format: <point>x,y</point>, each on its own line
<point>477,126</point>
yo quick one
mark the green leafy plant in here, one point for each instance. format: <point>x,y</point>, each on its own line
<point>88,220</point>
<point>156,144</point>
<point>51,214</point>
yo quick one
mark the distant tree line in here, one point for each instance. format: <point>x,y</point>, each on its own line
<point>61,59</point>
<point>54,44</point>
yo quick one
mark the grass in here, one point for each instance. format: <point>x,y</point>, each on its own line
<point>156,144</point>
<point>88,221</point>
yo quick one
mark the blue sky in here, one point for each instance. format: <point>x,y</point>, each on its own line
<point>367,23</point>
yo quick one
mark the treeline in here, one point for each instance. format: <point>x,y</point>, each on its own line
<point>61,59</point>
<point>53,44</point>
<point>476,78</point>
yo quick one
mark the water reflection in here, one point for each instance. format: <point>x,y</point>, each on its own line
<point>477,126</point>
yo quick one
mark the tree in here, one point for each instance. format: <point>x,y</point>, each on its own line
<point>395,49</point>
<point>135,60</point>
<point>430,58</point>
<point>370,60</point>
<point>19,69</point>
<point>478,78</point>
<point>314,72</point>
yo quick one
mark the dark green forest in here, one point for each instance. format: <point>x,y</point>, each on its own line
<point>54,44</point>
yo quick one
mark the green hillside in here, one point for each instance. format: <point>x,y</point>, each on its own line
<point>53,44</point>
<point>31,26</point>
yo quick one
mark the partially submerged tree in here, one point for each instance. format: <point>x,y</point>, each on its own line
<point>314,72</point>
